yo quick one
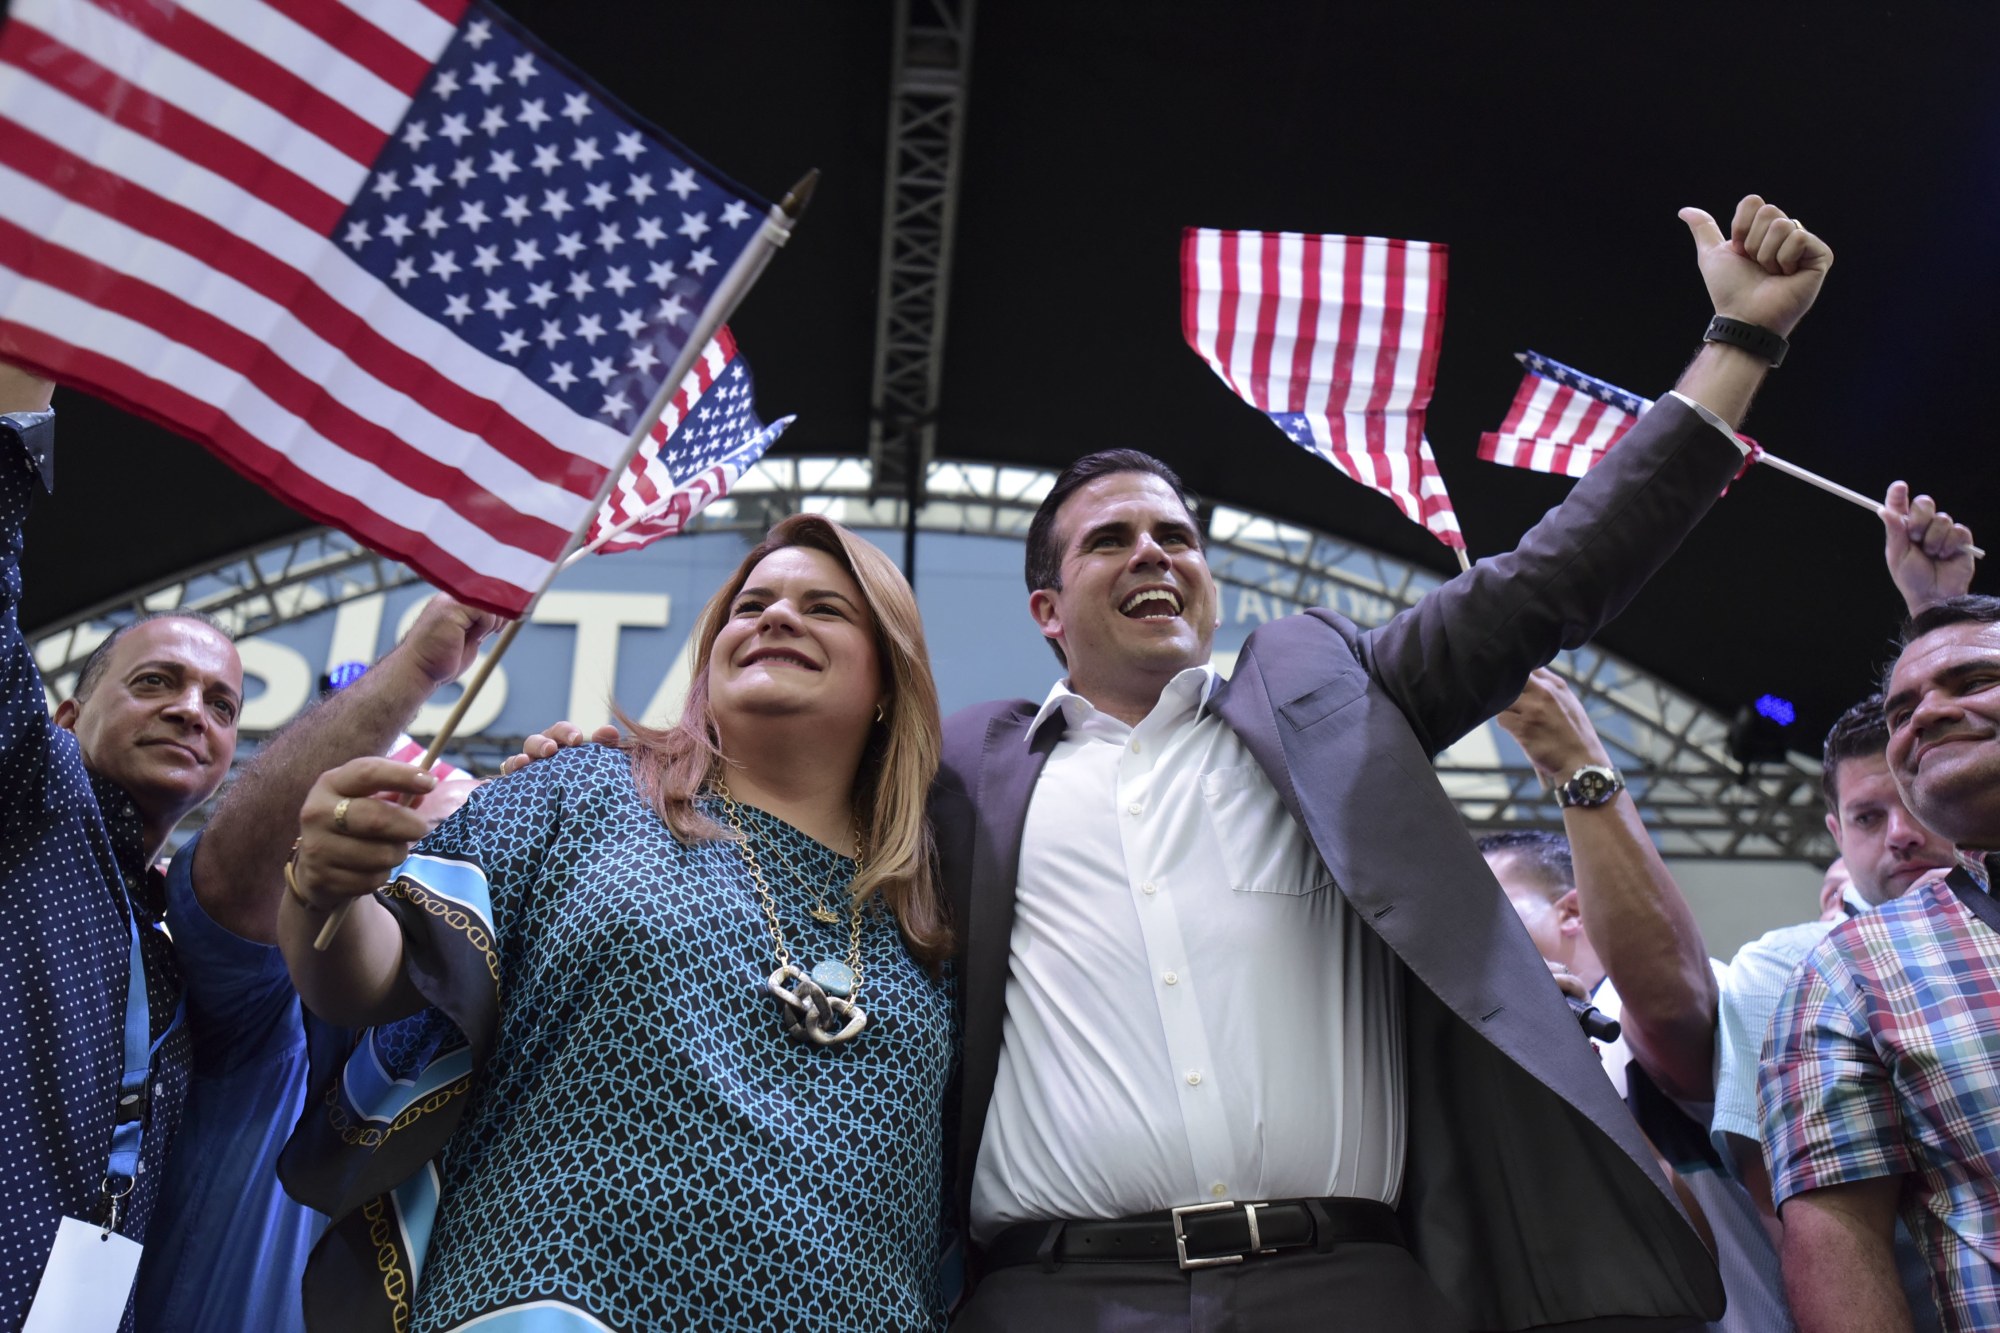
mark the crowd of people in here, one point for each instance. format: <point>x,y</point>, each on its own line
<point>1168,1001</point>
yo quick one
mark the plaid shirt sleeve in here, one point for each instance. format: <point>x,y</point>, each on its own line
<point>1826,1100</point>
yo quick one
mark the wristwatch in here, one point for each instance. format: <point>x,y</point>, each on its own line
<point>1590,786</point>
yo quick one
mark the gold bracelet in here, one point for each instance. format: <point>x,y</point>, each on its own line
<point>292,887</point>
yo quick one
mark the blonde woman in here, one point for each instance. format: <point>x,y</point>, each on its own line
<point>659,1038</point>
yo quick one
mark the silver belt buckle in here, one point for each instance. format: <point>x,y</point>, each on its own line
<point>1180,1235</point>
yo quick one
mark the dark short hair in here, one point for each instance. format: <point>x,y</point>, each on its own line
<point>1044,560</point>
<point>1966,608</point>
<point>1859,733</point>
<point>1547,852</point>
<point>100,656</point>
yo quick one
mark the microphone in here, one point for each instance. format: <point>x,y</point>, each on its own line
<point>1592,1020</point>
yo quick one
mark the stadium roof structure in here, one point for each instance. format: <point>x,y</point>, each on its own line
<point>1697,801</point>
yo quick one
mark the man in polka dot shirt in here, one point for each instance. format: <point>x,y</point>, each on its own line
<point>87,799</point>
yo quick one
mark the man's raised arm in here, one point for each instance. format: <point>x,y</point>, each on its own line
<point>239,864</point>
<point>1464,652</point>
<point>1637,919</point>
<point>1766,272</point>
<point>22,391</point>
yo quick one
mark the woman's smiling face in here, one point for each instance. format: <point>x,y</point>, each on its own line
<point>799,639</point>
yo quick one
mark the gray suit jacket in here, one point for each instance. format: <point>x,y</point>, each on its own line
<point>1528,1193</point>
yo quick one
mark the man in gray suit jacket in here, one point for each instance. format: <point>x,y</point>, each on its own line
<point>1252,1038</point>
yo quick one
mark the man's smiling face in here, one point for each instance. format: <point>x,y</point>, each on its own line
<point>1137,604</point>
<point>1943,712</point>
<point>160,719</point>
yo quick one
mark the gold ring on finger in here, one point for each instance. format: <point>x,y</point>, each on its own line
<point>340,815</point>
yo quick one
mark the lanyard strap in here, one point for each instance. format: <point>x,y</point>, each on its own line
<point>128,1124</point>
<point>135,1092</point>
<point>1977,901</point>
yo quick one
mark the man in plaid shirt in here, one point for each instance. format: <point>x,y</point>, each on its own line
<point>1881,1089</point>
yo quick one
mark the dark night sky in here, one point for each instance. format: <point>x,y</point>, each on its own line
<point>1549,145</point>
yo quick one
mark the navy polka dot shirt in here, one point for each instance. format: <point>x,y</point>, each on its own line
<point>70,847</point>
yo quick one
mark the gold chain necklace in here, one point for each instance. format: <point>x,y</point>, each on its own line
<point>819,911</point>
<point>824,1006</point>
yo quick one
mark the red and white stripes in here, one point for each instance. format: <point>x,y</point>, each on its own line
<point>169,179</point>
<point>1343,331</point>
<point>1552,427</point>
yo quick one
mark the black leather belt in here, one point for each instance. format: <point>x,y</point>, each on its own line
<point>1201,1235</point>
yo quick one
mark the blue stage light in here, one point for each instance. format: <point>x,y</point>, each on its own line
<point>1778,710</point>
<point>340,677</point>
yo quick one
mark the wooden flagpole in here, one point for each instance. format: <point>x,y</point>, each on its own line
<point>1789,469</point>
<point>1835,488</point>
<point>729,293</point>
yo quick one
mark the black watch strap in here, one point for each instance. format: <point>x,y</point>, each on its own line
<point>1752,338</point>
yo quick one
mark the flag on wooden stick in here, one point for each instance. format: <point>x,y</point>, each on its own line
<point>1335,338</point>
<point>708,436</point>
<point>395,261</point>
<point>1562,420</point>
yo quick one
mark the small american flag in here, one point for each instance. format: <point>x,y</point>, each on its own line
<point>1335,338</point>
<point>707,438</point>
<point>409,750</point>
<point>392,259</point>
<point>1562,420</point>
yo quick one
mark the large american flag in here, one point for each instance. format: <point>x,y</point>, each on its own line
<point>390,258</point>
<point>708,436</point>
<point>1335,338</point>
<point>1562,420</point>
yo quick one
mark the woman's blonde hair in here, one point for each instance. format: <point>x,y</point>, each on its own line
<point>672,764</point>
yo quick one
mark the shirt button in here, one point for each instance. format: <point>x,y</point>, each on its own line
<point>1135,747</point>
<point>1219,1190</point>
<point>1134,808</point>
<point>1149,887</point>
<point>1194,1078</point>
<point>1171,978</point>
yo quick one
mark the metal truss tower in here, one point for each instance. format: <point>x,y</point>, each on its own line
<point>927,95</point>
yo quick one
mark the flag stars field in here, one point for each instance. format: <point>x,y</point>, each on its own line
<point>387,265</point>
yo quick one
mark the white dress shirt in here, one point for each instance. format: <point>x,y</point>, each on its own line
<point>1193,1010</point>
